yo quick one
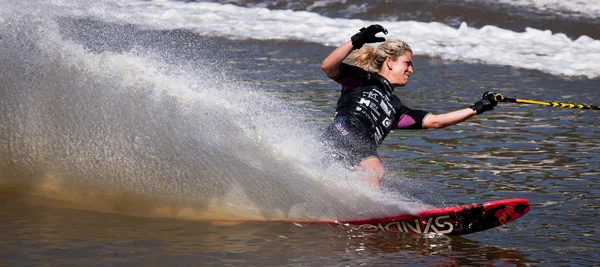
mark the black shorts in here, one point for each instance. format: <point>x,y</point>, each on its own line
<point>348,140</point>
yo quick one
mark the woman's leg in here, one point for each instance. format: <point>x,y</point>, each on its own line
<point>374,171</point>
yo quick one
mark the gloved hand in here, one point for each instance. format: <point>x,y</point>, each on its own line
<point>487,102</point>
<point>367,35</point>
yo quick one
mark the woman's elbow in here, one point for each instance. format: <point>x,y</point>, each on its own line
<point>434,121</point>
<point>435,125</point>
<point>324,67</point>
<point>330,70</point>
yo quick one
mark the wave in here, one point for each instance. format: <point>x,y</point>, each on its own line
<point>573,8</point>
<point>533,49</point>
<point>589,9</point>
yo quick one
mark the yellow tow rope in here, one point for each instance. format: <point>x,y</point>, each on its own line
<point>501,98</point>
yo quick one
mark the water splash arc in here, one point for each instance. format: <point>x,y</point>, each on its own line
<point>112,125</point>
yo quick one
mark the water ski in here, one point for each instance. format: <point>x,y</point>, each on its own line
<point>458,220</point>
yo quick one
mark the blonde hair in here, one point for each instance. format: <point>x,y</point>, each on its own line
<point>372,59</point>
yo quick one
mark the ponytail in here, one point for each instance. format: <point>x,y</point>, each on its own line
<point>363,57</point>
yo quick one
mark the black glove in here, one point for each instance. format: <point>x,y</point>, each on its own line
<point>487,102</point>
<point>367,35</point>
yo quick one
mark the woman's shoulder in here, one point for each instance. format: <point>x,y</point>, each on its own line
<point>351,71</point>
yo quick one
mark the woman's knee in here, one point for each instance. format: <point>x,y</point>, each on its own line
<point>374,170</point>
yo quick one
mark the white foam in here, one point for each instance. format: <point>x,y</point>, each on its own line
<point>536,49</point>
<point>585,8</point>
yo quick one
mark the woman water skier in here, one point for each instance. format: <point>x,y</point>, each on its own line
<point>367,109</point>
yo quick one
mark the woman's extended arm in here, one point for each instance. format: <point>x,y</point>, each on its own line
<point>487,102</point>
<point>447,119</point>
<point>332,63</point>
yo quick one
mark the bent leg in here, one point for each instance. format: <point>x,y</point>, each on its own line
<point>374,171</point>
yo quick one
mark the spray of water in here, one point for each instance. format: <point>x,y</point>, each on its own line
<point>125,130</point>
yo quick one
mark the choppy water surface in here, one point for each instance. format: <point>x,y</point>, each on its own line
<point>113,151</point>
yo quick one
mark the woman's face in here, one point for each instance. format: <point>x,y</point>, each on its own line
<point>399,70</point>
